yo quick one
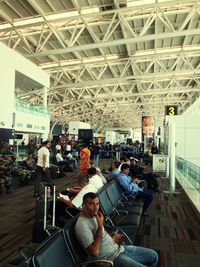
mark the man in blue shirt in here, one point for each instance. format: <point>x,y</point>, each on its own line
<point>114,170</point>
<point>132,189</point>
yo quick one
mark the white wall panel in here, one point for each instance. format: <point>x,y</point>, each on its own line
<point>192,122</point>
<point>192,147</point>
<point>187,131</point>
<point>25,122</point>
<point>7,86</point>
<point>111,137</point>
<point>180,141</point>
<point>75,125</point>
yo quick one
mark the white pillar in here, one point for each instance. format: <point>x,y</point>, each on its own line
<point>167,167</point>
<point>45,97</point>
<point>45,135</point>
<point>172,156</point>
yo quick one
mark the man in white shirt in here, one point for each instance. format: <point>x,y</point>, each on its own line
<point>58,146</point>
<point>71,159</point>
<point>43,171</point>
<point>77,201</point>
<point>59,157</point>
<point>94,178</point>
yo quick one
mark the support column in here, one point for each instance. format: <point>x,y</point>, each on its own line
<point>45,135</point>
<point>172,155</point>
<point>45,97</point>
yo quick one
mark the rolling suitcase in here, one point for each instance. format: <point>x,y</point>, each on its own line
<point>44,223</point>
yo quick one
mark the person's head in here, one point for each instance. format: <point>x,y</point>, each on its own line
<point>133,161</point>
<point>135,180</point>
<point>115,164</point>
<point>46,144</point>
<point>84,146</point>
<point>30,155</point>
<point>91,171</point>
<point>148,126</point>
<point>83,180</point>
<point>91,163</point>
<point>122,159</point>
<point>125,168</point>
<point>90,204</point>
<point>98,170</point>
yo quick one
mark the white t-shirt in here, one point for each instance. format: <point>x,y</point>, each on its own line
<point>69,156</point>
<point>85,230</point>
<point>68,147</point>
<point>43,151</point>
<point>96,181</point>
<point>58,147</point>
<point>78,200</point>
<point>59,157</point>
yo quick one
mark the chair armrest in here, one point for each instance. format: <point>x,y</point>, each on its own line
<point>117,230</point>
<point>120,212</point>
<point>126,236</point>
<point>72,211</point>
<point>26,251</point>
<point>101,262</point>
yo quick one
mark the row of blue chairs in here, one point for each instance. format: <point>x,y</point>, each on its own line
<point>64,250</point>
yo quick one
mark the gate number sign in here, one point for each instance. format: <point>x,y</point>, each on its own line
<point>171,110</point>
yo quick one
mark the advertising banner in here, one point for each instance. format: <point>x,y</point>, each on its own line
<point>148,128</point>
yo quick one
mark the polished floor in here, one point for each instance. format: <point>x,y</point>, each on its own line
<point>173,229</point>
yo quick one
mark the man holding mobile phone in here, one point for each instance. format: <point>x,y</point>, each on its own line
<point>99,244</point>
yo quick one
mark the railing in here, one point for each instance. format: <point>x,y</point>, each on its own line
<point>33,109</point>
<point>188,175</point>
<point>190,172</point>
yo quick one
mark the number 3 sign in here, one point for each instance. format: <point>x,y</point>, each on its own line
<point>171,110</point>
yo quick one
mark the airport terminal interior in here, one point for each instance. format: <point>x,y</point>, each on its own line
<point>103,88</point>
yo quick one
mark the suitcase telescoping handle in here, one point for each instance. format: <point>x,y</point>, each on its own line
<point>46,194</point>
<point>45,207</point>
<point>54,205</point>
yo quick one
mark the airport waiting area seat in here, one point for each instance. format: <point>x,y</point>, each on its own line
<point>63,249</point>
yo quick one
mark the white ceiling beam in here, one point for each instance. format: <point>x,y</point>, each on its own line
<point>136,12</point>
<point>143,78</point>
<point>146,38</point>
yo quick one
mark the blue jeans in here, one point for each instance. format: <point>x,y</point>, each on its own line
<point>96,160</point>
<point>133,256</point>
<point>147,195</point>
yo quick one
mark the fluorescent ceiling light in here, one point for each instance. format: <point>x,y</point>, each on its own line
<point>131,3</point>
<point>74,13</point>
<point>75,62</point>
<point>90,10</point>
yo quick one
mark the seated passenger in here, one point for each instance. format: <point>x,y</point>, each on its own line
<point>94,178</point>
<point>123,160</point>
<point>29,162</point>
<point>99,173</point>
<point>114,170</point>
<point>72,160</point>
<point>58,147</point>
<point>132,189</point>
<point>85,187</point>
<point>134,168</point>
<point>145,174</point>
<point>99,244</point>
<point>61,161</point>
<point>59,157</point>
